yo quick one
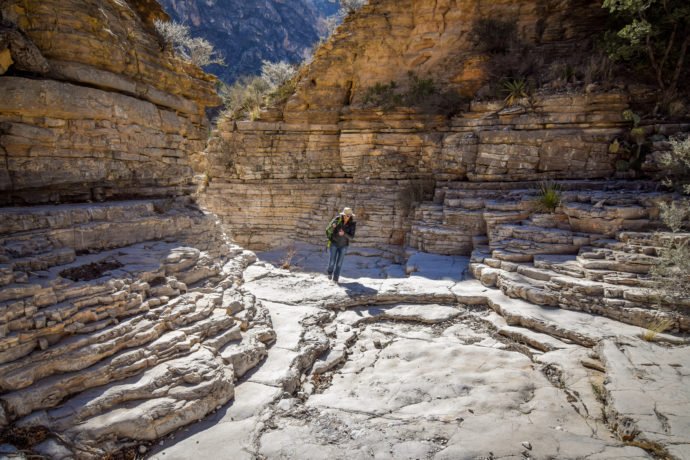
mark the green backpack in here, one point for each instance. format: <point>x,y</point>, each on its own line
<point>330,229</point>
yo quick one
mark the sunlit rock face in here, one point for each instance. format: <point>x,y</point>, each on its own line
<point>112,115</point>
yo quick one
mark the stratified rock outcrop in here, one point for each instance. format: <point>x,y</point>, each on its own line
<point>123,320</point>
<point>298,163</point>
<point>101,113</point>
<point>120,321</point>
<point>476,174</point>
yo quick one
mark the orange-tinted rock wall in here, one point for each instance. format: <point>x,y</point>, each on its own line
<point>113,116</point>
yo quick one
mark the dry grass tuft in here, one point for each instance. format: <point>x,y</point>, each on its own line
<point>656,327</point>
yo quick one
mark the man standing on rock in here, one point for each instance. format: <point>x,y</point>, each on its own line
<point>340,231</point>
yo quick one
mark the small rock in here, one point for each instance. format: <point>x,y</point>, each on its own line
<point>526,445</point>
<point>285,405</point>
<point>377,344</point>
<point>142,449</point>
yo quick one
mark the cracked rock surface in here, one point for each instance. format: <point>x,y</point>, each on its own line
<point>436,367</point>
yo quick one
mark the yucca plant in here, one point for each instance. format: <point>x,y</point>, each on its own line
<point>514,90</point>
<point>549,196</point>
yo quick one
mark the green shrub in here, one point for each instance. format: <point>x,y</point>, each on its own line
<point>383,95</point>
<point>652,36</point>
<point>514,91</point>
<point>549,197</point>
<point>420,90</point>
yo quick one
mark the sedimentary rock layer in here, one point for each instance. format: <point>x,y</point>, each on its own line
<point>121,322</point>
<point>273,181</point>
<point>433,38</point>
<point>108,115</point>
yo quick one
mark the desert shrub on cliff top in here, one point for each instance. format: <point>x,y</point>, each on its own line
<point>248,95</point>
<point>350,6</point>
<point>244,96</point>
<point>653,36</point>
<point>276,74</point>
<point>494,36</point>
<point>420,93</point>
<point>196,50</point>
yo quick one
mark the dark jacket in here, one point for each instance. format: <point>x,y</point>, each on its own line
<point>349,229</point>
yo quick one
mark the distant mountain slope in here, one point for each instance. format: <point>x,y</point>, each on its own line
<point>247,32</point>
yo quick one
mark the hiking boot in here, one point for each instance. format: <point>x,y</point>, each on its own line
<point>330,276</point>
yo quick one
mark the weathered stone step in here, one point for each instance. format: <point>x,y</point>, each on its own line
<point>539,274</point>
<point>632,248</point>
<point>178,392</point>
<point>518,286</point>
<point>606,259</point>
<point>119,283</point>
<point>521,334</point>
<point>548,221</point>
<point>43,261</point>
<point>540,234</point>
<point>440,240</point>
<point>14,221</point>
<point>558,263</point>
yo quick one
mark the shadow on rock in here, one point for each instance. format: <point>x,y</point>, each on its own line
<point>354,289</point>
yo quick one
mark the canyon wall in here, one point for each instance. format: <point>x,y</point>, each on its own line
<point>275,181</point>
<point>466,184</point>
<point>106,114</point>
<point>387,39</point>
<point>123,320</point>
<point>282,176</point>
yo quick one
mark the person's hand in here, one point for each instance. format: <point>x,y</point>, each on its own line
<point>341,233</point>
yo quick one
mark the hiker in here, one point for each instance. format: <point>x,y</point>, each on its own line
<point>340,231</point>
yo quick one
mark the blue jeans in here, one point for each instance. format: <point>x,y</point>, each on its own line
<point>336,261</point>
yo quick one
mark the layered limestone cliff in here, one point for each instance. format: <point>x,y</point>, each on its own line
<point>123,320</point>
<point>95,110</point>
<point>323,148</point>
<point>281,177</point>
